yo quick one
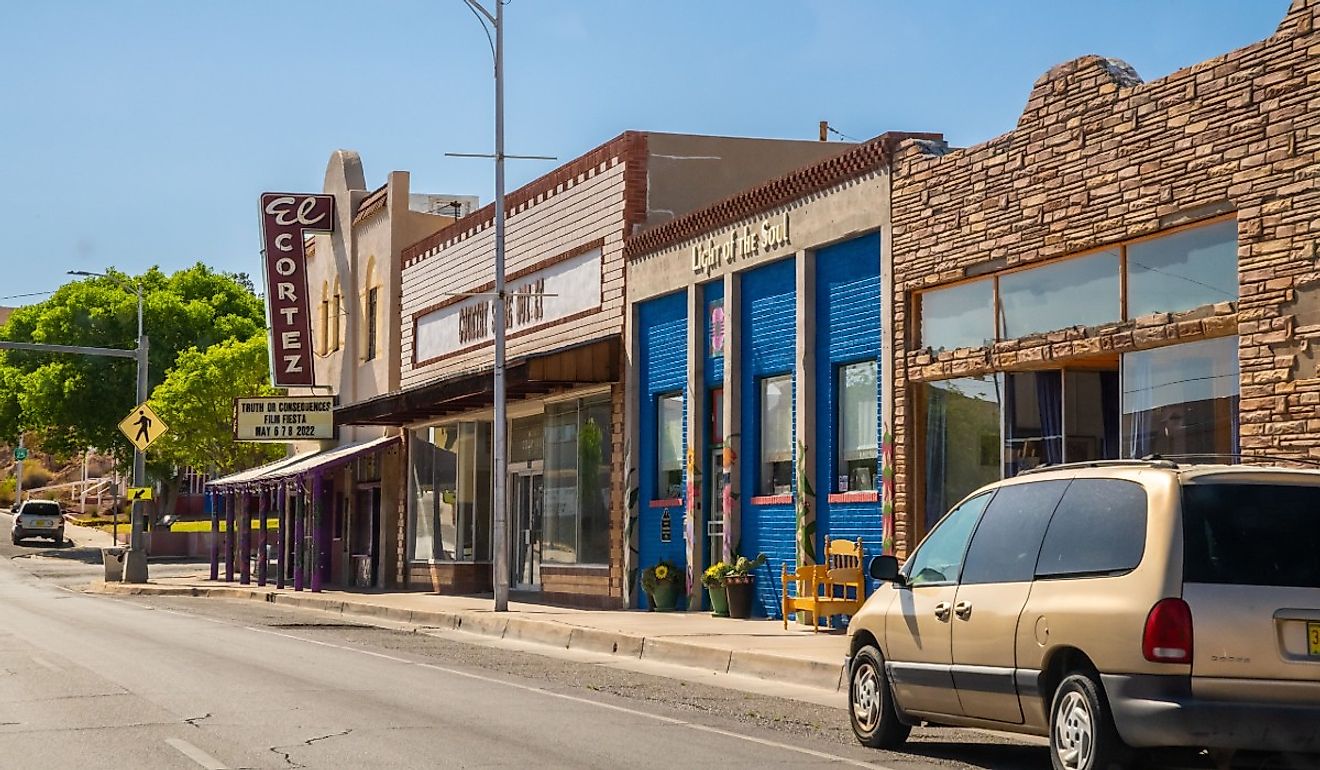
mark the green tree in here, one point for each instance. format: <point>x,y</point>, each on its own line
<point>72,402</point>
<point>196,400</point>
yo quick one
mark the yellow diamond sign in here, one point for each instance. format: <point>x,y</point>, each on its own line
<point>142,427</point>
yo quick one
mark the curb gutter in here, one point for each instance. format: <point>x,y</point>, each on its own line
<point>757,665</point>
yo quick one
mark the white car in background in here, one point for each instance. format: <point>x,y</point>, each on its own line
<point>38,518</point>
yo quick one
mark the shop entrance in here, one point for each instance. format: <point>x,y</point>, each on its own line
<point>526,492</point>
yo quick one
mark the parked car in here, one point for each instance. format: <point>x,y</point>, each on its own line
<point>38,518</point>
<point>1112,606</point>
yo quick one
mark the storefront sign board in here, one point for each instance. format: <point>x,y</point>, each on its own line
<point>284,418</point>
<point>285,219</point>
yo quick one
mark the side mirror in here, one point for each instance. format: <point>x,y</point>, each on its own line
<point>885,568</point>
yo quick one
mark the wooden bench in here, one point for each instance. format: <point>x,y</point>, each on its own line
<point>837,587</point>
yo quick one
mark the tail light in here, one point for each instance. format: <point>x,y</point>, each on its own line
<point>1168,635</point>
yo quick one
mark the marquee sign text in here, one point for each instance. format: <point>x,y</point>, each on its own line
<point>285,218</point>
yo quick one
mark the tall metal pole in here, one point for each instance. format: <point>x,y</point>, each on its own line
<point>18,473</point>
<point>500,496</point>
<point>135,563</point>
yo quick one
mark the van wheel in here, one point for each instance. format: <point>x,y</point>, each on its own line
<point>871,702</point>
<point>1082,733</point>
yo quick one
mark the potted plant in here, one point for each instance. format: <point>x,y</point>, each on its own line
<point>663,585</point>
<point>713,579</point>
<point>738,584</point>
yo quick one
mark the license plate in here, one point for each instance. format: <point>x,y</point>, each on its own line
<point>43,523</point>
<point>1313,639</point>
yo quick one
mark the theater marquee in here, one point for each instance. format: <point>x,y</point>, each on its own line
<point>285,220</point>
<point>284,418</point>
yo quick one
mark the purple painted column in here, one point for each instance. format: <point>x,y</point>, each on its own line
<point>281,541</point>
<point>263,510</point>
<point>229,538</point>
<point>245,539</point>
<point>299,533</point>
<point>318,533</point>
<point>216,499</point>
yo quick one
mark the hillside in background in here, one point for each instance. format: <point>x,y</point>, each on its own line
<point>45,476</point>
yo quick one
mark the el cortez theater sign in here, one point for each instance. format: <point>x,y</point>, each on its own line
<point>285,218</point>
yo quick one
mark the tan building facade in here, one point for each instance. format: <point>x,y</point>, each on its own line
<point>1132,270</point>
<point>565,317</point>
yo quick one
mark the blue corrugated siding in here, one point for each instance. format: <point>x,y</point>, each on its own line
<point>847,331</point>
<point>767,328</point>
<point>662,355</point>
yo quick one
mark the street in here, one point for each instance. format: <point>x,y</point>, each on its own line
<point>90,681</point>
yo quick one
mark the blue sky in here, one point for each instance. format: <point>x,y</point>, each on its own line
<point>136,133</point>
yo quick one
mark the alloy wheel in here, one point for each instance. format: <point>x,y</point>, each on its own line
<point>1074,737</point>
<point>866,695</point>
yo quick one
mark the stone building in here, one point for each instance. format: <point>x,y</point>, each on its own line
<point>1132,270</point>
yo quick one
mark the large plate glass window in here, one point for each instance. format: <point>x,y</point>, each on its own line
<point>961,316</point>
<point>962,447</point>
<point>450,482</point>
<point>1182,271</point>
<point>777,435</point>
<point>669,449</point>
<point>1181,399</point>
<point>575,528</point>
<point>859,427</point>
<point>1079,291</point>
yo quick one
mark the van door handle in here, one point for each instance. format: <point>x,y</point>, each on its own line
<point>963,610</point>
<point>942,610</point>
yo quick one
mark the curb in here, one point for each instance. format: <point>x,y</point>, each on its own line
<point>757,665</point>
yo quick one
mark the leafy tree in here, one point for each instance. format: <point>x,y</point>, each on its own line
<point>196,401</point>
<point>72,401</point>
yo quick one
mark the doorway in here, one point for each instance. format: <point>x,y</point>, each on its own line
<point>526,493</point>
<point>362,538</point>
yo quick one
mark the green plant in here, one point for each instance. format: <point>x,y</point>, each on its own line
<point>744,566</point>
<point>714,574</point>
<point>663,572</point>
<point>35,476</point>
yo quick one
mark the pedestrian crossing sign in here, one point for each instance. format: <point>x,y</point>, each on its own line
<point>142,427</point>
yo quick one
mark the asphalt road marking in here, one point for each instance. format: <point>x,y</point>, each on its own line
<point>610,706</point>
<point>46,664</point>
<point>195,754</point>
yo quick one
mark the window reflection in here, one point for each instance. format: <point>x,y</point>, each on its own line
<point>1183,271</point>
<point>962,440</point>
<point>1181,399</point>
<point>961,316</point>
<point>1081,291</point>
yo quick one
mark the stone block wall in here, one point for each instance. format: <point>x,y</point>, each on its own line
<point>1099,157</point>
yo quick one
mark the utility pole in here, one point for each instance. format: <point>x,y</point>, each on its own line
<point>18,473</point>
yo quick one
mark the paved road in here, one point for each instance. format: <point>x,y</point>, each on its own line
<point>88,681</point>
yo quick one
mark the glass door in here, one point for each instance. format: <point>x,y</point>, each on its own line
<point>526,493</point>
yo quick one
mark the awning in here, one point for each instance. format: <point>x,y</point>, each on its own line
<point>300,465</point>
<point>589,363</point>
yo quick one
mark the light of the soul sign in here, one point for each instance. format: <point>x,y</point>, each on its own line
<point>285,219</point>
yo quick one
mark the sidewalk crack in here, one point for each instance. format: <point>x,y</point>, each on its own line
<point>288,755</point>
<point>194,720</point>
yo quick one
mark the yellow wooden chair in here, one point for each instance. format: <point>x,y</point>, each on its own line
<point>837,587</point>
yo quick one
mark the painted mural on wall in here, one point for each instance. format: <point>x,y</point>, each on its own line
<point>632,547</point>
<point>887,488</point>
<point>691,516</point>
<point>731,531</point>
<point>806,511</point>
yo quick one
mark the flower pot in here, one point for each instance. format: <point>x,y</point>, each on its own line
<point>664,597</point>
<point>739,590</point>
<point>719,601</point>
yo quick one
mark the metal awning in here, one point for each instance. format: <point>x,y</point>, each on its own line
<point>594,362</point>
<point>300,465</point>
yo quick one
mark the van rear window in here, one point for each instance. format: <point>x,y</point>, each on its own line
<point>41,508</point>
<point>1252,534</point>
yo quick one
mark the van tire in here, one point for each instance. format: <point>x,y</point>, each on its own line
<point>1082,732</point>
<point>871,709</point>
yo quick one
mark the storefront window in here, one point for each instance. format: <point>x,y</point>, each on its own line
<point>1033,420</point>
<point>575,524</point>
<point>1181,399</point>
<point>1183,271</point>
<point>858,427</point>
<point>777,435</point>
<point>669,452</point>
<point>450,492</point>
<point>961,316</point>
<point>962,449</point>
<point>1080,291</point>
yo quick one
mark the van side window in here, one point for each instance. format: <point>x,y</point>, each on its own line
<point>940,556</point>
<point>1007,542</point>
<point>1099,529</point>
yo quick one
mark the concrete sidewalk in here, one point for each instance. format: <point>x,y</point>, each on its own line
<point>760,649</point>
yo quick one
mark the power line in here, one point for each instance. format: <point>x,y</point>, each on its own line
<point>30,294</point>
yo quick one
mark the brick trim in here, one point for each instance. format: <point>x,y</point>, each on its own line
<point>771,500</point>
<point>626,147</point>
<point>576,570</point>
<point>865,157</point>
<point>854,497</point>
<point>668,502</point>
<point>375,201</point>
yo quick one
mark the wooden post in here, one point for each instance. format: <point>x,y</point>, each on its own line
<point>229,538</point>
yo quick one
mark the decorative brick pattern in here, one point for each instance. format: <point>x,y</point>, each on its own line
<point>1099,157</point>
